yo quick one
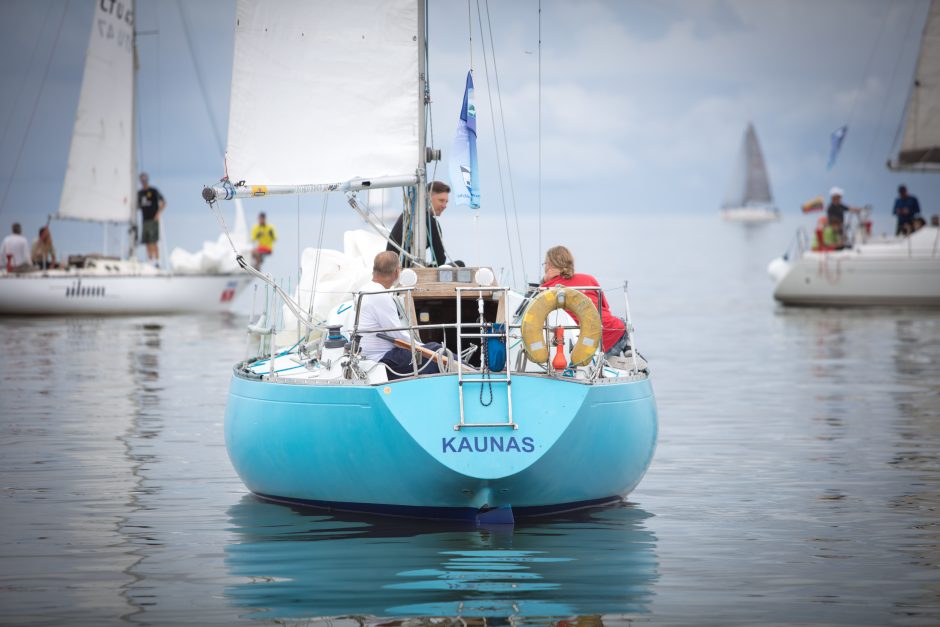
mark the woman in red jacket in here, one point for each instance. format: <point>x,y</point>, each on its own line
<point>559,270</point>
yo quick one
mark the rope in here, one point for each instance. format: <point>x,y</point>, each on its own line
<point>485,368</point>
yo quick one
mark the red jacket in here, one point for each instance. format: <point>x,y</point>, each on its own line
<point>612,325</point>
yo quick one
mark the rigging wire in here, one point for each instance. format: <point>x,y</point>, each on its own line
<point>200,79</point>
<point>499,167</point>
<point>28,69</point>
<point>32,115</point>
<point>910,92</point>
<point>316,263</point>
<point>888,92</point>
<point>866,73</point>
<point>470,34</point>
<point>299,265</point>
<point>539,186</point>
<point>502,122</point>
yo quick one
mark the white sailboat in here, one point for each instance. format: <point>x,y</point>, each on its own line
<point>100,186</point>
<point>332,97</point>
<point>891,270</point>
<point>748,198</point>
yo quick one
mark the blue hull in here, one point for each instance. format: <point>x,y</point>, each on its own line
<point>393,448</point>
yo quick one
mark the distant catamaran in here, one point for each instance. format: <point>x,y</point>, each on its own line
<point>749,198</point>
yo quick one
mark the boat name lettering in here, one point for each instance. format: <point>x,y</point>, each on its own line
<point>79,290</point>
<point>487,444</point>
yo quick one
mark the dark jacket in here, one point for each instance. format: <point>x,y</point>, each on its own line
<point>434,235</point>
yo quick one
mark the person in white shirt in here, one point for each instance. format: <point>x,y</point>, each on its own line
<point>378,311</point>
<point>14,251</point>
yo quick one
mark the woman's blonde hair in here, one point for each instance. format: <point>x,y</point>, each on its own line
<point>561,258</point>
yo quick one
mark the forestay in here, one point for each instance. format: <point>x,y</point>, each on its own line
<point>99,179</point>
<point>920,146</point>
<point>323,92</point>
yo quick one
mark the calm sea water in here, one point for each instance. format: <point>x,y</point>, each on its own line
<point>796,481</point>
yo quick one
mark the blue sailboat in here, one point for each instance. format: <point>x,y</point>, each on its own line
<point>314,421</point>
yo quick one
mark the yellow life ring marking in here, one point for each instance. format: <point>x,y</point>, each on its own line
<point>575,303</point>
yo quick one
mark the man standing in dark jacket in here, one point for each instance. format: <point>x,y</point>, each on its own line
<point>440,194</point>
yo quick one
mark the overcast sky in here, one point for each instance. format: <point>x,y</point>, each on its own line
<point>643,105</point>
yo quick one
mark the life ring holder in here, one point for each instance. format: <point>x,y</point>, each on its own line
<point>575,303</point>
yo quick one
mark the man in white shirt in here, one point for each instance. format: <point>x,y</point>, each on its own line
<point>378,311</point>
<point>14,251</point>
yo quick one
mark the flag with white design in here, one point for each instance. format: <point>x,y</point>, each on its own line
<point>835,144</point>
<point>464,175</point>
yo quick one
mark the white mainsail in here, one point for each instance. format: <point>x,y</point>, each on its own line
<point>349,112</point>
<point>99,179</point>
<point>920,145</point>
<point>750,186</point>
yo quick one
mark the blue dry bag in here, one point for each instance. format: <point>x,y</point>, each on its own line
<point>496,350</point>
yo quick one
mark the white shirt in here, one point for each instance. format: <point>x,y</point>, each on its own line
<point>17,246</point>
<point>378,311</point>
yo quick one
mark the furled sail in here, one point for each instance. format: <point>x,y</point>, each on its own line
<point>920,144</point>
<point>749,185</point>
<point>323,92</point>
<point>99,179</point>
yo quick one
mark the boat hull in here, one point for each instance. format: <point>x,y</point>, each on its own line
<point>67,293</point>
<point>393,448</point>
<point>750,215</point>
<point>848,279</point>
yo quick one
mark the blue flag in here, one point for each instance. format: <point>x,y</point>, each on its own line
<point>835,144</point>
<point>464,177</point>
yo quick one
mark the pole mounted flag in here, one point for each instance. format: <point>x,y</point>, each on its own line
<point>835,144</point>
<point>464,175</point>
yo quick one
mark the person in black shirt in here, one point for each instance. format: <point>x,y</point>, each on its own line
<point>906,209</point>
<point>151,204</point>
<point>440,193</point>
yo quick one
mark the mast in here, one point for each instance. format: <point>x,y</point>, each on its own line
<point>420,222</point>
<point>132,235</point>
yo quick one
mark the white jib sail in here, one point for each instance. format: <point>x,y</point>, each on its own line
<point>921,141</point>
<point>99,179</point>
<point>323,92</point>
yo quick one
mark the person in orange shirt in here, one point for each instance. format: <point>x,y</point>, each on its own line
<point>559,270</point>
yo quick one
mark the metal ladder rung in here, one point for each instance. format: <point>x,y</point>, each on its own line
<point>460,374</point>
<point>485,424</point>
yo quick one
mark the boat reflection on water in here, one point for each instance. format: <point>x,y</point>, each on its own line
<point>294,563</point>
